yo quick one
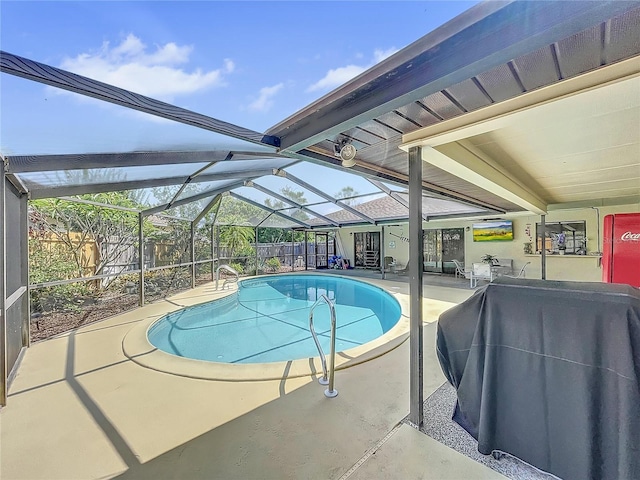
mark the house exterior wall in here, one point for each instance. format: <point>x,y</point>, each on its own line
<point>559,267</point>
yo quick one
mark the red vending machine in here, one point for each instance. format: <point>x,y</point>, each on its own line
<point>621,249</point>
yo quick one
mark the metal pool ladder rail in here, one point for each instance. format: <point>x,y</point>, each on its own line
<point>329,392</point>
<point>228,269</point>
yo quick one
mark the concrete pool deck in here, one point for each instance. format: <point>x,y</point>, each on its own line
<point>79,408</point>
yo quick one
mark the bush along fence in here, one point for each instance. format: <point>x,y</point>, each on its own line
<point>82,270</point>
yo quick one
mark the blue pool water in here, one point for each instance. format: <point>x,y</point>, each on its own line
<point>267,320</point>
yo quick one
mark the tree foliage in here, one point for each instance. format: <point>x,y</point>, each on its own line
<point>73,226</point>
<point>345,195</point>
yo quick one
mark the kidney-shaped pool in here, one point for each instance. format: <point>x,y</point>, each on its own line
<point>267,320</point>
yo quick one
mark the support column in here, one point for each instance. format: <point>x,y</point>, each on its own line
<point>141,258</point>
<point>213,254</point>
<point>382,251</point>
<point>306,250</point>
<point>415,287</point>
<point>257,255</point>
<point>543,253</point>
<point>293,264</point>
<point>218,243</point>
<point>193,255</point>
<point>3,293</point>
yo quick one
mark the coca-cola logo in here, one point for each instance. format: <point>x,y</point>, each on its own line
<point>630,237</point>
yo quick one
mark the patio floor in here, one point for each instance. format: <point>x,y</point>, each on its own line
<point>79,408</point>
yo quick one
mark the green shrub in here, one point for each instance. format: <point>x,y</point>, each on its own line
<point>238,267</point>
<point>272,264</point>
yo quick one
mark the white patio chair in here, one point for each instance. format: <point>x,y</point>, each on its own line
<point>460,271</point>
<point>521,273</point>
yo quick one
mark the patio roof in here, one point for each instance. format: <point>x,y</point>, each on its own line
<point>448,81</point>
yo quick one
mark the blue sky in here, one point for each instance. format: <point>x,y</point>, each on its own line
<point>248,63</point>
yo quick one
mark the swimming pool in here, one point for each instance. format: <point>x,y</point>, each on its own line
<point>267,320</point>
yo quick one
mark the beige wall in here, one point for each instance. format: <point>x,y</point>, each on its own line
<point>559,267</point>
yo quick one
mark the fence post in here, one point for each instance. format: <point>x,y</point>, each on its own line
<point>141,257</point>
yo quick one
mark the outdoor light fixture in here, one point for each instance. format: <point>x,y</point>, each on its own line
<point>346,152</point>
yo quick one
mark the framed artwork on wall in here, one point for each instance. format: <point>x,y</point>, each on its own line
<point>496,231</point>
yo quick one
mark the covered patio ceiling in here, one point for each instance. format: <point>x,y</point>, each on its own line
<point>523,106</point>
<point>518,107</point>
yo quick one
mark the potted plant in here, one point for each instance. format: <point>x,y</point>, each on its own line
<point>489,259</point>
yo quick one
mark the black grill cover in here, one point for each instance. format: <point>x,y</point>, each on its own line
<point>550,373</point>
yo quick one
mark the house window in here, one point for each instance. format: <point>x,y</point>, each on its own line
<point>564,238</point>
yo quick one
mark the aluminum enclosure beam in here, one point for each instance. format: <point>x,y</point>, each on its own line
<point>377,172</point>
<point>141,299</point>
<point>193,198</point>
<point>284,199</point>
<point>191,177</point>
<point>415,288</point>
<point>311,188</point>
<point>206,209</point>
<point>486,36</point>
<point>270,210</point>
<point>56,77</point>
<point>4,367</point>
<point>44,163</point>
<point>66,190</point>
<point>393,195</point>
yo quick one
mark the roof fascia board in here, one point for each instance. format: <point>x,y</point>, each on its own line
<point>56,77</point>
<point>509,32</point>
<point>465,164</point>
<point>496,116</point>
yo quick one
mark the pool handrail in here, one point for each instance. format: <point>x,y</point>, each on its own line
<point>227,268</point>
<point>329,392</point>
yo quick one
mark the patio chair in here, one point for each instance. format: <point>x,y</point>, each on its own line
<point>389,264</point>
<point>480,271</point>
<point>521,273</point>
<point>460,271</point>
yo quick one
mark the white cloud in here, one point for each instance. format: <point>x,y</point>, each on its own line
<point>335,77</point>
<point>380,55</point>
<point>265,100</point>
<point>338,76</point>
<point>130,65</point>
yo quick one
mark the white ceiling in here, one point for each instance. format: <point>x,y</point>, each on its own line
<point>578,148</point>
